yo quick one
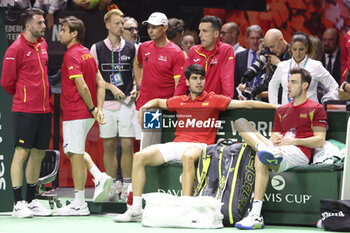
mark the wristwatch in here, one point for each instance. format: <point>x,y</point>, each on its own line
<point>92,109</point>
<point>138,88</point>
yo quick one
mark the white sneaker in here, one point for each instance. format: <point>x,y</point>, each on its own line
<point>21,210</point>
<point>130,215</point>
<point>124,193</point>
<point>74,209</point>
<point>102,186</point>
<point>251,222</point>
<point>38,209</point>
<point>114,192</point>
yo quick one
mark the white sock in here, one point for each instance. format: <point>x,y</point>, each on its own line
<point>256,208</point>
<point>137,203</point>
<point>95,172</point>
<point>79,196</point>
<point>261,146</point>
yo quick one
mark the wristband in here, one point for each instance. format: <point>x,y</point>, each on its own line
<point>344,87</point>
<point>92,109</point>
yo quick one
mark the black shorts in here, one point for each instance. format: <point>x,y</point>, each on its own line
<point>32,130</point>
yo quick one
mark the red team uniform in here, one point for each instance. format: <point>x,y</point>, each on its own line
<point>303,118</point>
<point>161,65</point>
<point>77,61</point>
<point>196,119</point>
<point>345,57</point>
<point>219,65</point>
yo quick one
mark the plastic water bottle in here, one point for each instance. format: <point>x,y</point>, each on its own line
<point>291,133</point>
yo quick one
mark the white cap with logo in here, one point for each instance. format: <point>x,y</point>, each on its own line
<point>157,18</point>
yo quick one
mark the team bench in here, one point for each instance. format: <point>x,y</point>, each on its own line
<point>292,197</point>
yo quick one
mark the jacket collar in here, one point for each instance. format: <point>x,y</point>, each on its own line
<point>39,40</point>
<point>200,98</point>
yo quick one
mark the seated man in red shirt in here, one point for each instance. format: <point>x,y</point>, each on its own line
<point>299,126</point>
<point>192,135</point>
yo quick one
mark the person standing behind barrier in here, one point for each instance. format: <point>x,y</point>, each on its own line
<point>130,30</point>
<point>229,34</point>
<point>158,66</point>
<point>216,57</point>
<point>188,41</point>
<point>114,57</point>
<point>245,59</point>
<point>83,93</point>
<point>300,46</point>
<point>24,75</point>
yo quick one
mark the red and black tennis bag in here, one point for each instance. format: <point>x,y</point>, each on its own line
<point>226,171</point>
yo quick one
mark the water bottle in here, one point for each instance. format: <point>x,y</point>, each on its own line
<point>291,133</point>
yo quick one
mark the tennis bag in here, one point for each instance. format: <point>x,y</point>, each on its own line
<point>226,171</point>
<point>335,214</point>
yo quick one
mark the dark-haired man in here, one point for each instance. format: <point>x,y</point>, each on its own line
<point>24,75</point>
<point>216,57</point>
<point>299,127</point>
<point>197,107</point>
<point>83,94</point>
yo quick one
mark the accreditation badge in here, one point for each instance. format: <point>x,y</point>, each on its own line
<point>117,79</point>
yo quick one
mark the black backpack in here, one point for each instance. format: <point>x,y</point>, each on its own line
<point>335,214</point>
<point>226,171</point>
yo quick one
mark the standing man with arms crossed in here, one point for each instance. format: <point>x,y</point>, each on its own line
<point>24,75</point>
<point>299,127</point>
<point>216,57</point>
<point>119,106</point>
<point>83,93</point>
<point>158,66</point>
<point>198,106</point>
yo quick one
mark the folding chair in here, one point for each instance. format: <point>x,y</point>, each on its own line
<point>48,173</point>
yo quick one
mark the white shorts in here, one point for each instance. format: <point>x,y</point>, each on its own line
<point>119,122</point>
<point>172,151</point>
<point>292,157</point>
<point>136,125</point>
<point>74,135</point>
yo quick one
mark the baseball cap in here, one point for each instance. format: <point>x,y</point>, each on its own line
<point>156,18</point>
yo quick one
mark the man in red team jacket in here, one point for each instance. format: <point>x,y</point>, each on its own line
<point>216,57</point>
<point>24,75</point>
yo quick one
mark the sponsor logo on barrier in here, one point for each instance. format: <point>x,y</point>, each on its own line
<point>171,192</point>
<point>326,215</point>
<point>279,183</point>
<point>2,173</point>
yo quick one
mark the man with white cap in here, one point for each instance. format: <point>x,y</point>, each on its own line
<point>158,65</point>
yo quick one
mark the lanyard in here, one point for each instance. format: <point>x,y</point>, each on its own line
<point>290,67</point>
<point>118,57</point>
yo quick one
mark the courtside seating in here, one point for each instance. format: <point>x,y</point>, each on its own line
<point>292,197</point>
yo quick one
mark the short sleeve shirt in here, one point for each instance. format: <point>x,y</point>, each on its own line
<point>197,120</point>
<point>77,62</point>
<point>161,66</point>
<point>303,118</point>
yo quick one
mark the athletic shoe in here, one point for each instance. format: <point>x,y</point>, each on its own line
<point>73,209</point>
<point>130,215</point>
<point>124,193</point>
<point>114,191</point>
<point>38,210</point>
<point>21,210</point>
<point>102,186</point>
<point>251,222</point>
<point>270,157</point>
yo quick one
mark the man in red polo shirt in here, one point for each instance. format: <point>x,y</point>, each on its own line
<point>83,94</point>
<point>299,127</point>
<point>197,122</point>
<point>216,57</point>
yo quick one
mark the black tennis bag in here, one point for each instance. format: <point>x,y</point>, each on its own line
<point>226,171</point>
<point>335,214</point>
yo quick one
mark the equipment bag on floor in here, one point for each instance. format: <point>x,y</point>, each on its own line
<point>335,214</point>
<point>165,210</point>
<point>226,172</point>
